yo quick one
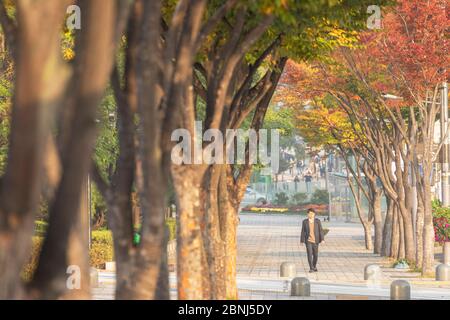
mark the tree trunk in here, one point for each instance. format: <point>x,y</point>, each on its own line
<point>402,238</point>
<point>228,222</point>
<point>92,69</point>
<point>395,239</point>
<point>187,184</point>
<point>387,229</point>
<point>40,79</point>
<point>214,245</point>
<point>366,222</point>
<point>419,232</point>
<point>368,236</point>
<point>428,232</point>
<point>409,245</point>
<point>378,221</point>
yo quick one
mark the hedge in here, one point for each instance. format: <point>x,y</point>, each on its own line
<point>102,248</point>
<point>441,222</point>
<point>101,252</point>
<point>172,225</point>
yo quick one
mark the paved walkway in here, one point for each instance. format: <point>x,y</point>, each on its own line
<point>267,240</point>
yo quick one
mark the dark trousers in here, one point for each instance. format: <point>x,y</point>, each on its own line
<point>312,250</point>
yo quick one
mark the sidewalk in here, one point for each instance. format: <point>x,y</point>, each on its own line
<point>271,289</point>
<point>267,240</point>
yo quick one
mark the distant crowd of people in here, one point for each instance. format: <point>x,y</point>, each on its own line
<point>298,171</point>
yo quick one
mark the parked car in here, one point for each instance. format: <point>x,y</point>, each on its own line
<point>252,197</point>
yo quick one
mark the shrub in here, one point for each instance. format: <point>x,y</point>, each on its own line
<point>440,211</point>
<point>101,252</point>
<point>320,197</point>
<point>102,248</point>
<point>268,209</point>
<point>281,199</point>
<point>172,225</point>
<point>299,198</point>
<point>441,222</point>
<point>102,236</point>
<point>441,229</point>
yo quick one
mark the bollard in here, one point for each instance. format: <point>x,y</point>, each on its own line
<point>447,253</point>
<point>300,287</point>
<point>287,269</point>
<point>94,277</point>
<point>400,290</point>
<point>443,272</point>
<point>372,272</point>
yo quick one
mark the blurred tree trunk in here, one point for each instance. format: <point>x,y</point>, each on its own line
<point>66,243</point>
<point>141,268</point>
<point>39,86</point>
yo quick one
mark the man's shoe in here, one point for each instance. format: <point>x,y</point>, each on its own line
<point>311,270</point>
<point>315,269</point>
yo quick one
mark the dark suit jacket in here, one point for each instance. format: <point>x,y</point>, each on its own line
<point>318,231</point>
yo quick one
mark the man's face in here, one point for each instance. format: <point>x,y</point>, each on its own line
<point>311,215</point>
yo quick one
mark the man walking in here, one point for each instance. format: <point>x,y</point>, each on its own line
<point>312,234</point>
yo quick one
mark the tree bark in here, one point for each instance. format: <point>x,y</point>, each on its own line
<point>402,239</point>
<point>387,229</point>
<point>189,238</point>
<point>368,236</point>
<point>378,221</point>
<point>214,243</point>
<point>419,233</point>
<point>375,196</point>
<point>428,232</point>
<point>395,239</point>
<point>229,211</point>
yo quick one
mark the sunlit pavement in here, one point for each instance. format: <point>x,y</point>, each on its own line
<point>267,240</point>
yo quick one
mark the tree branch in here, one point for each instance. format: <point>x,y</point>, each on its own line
<point>102,185</point>
<point>213,21</point>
